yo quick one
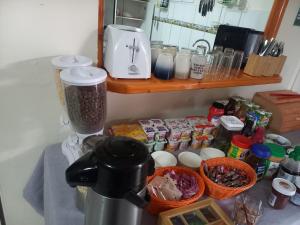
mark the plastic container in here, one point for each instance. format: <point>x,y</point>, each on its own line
<point>277,155</point>
<point>184,144</point>
<point>150,146</point>
<point>239,147</point>
<point>230,125</point>
<point>290,167</point>
<point>296,198</point>
<point>257,159</point>
<point>210,153</point>
<point>190,160</point>
<point>160,145</point>
<point>85,97</point>
<point>64,62</point>
<point>282,191</point>
<point>158,205</point>
<point>172,145</point>
<point>164,159</point>
<point>221,192</point>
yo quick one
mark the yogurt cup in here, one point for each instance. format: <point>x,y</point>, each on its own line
<point>161,132</point>
<point>184,144</point>
<point>159,145</point>
<point>150,146</point>
<point>172,145</point>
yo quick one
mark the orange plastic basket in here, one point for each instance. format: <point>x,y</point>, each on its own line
<point>158,205</point>
<point>222,192</point>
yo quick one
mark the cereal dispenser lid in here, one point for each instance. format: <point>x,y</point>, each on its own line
<point>67,61</point>
<point>83,76</point>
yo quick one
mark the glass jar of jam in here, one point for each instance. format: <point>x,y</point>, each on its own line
<point>257,159</point>
<point>282,191</point>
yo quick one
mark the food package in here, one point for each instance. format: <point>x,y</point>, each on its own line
<point>129,130</point>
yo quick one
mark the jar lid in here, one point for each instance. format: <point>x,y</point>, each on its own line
<point>83,76</point>
<point>67,61</point>
<point>276,150</point>
<point>261,151</point>
<point>241,141</point>
<point>232,123</point>
<point>284,186</point>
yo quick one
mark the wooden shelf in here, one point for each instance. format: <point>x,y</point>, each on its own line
<point>153,85</point>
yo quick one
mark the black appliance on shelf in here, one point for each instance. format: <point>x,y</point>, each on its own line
<point>239,38</point>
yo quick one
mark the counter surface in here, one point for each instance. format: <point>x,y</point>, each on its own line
<point>49,194</point>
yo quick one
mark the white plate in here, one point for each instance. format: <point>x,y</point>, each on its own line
<point>190,159</point>
<point>163,159</point>
<point>209,153</point>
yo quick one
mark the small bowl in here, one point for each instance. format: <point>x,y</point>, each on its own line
<point>210,153</point>
<point>190,160</point>
<point>163,159</point>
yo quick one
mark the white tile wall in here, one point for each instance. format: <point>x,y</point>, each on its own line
<point>187,10</point>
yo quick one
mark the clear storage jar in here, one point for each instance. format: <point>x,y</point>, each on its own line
<point>85,98</point>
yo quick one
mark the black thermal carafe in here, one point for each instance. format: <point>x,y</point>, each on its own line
<point>116,173</point>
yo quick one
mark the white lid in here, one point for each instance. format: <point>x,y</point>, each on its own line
<point>67,61</point>
<point>190,159</point>
<point>209,153</point>
<point>284,186</point>
<point>83,76</point>
<point>163,158</point>
<point>232,123</point>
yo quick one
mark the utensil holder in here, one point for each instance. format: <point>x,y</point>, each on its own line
<point>264,65</point>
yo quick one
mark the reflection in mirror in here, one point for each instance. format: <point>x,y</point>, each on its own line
<point>183,22</point>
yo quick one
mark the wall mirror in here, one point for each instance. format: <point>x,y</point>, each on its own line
<point>183,22</point>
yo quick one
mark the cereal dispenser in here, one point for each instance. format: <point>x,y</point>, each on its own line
<point>85,101</point>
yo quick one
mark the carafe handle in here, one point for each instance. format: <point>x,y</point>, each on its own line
<point>83,172</point>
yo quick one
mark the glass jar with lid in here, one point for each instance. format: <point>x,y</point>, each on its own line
<point>85,97</point>
<point>257,159</point>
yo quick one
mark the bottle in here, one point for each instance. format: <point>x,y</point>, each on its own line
<point>248,128</point>
<point>229,109</point>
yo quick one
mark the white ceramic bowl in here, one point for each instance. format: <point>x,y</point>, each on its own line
<point>190,159</point>
<point>163,159</point>
<point>209,153</point>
